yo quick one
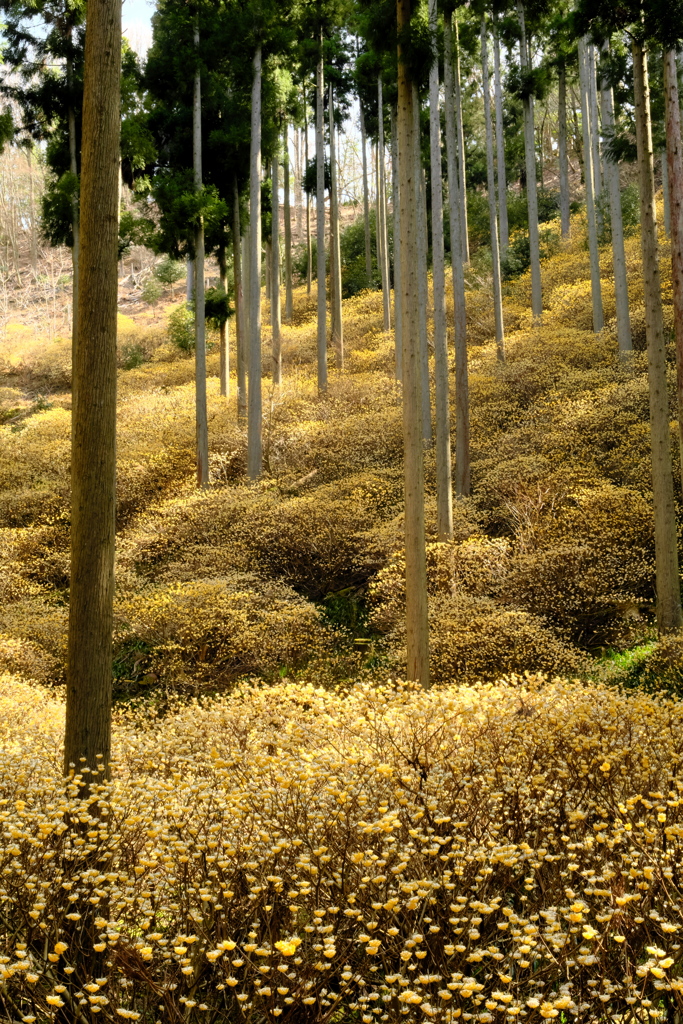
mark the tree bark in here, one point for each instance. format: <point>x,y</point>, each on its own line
<point>462,415</point>
<point>422,291</point>
<point>417,627</point>
<point>589,171</point>
<point>201,415</point>
<point>500,142</point>
<point>444,489</point>
<point>460,131</point>
<point>382,208</point>
<point>254,441</point>
<point>594,121</point>
<point>189,284</point>
<point>366,200</point>
<point>395,193</point>
<point>616,220</point>
<point>87,737</point>
<point>666,550</point>
<point>530,163</point>
<point>275,309</point>
<point>674,160</point>
<point>224,362</point>
<point>320,225</point>
<point>491,185</point>
<point>288,226</point>
<point>240,325</point>
<point>665,194</point>
<point>335,279</point>
<point>562,151</point>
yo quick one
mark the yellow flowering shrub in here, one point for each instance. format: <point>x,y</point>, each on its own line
<point>293,853</point>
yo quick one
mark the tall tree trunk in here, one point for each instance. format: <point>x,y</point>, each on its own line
<point>665,194</point>
<point>240,324</point>
<point>395,194</point>
<point>382,208</point>
<point>594,121</point>
<point>562,152</point>
<point>298,190</point>
<point>444,490</point>
<point>491,185</point>
<point>366,200</point>
<point>268,251</point>
<point>417,627</point>
<point>530,163</point>
<point>666,550</point>
<point>201,416</point>
<point>674,160</point>
<point>189,284</point>
<point>87,738</point>
<point>32,213</point>
<point>75,226</point>
<point>500,142</point>
<point>275,310</point>
<point>460,131</point>
<point>618,253</point>
<point>320,225</point>
<point>584,88</point>
<point>254,442</point>
<point>335,280</point>
<point>224,335</point>
<point>422,290</point>
<point>462,414</point>
<point>288,227</point>
<point>309,245</point>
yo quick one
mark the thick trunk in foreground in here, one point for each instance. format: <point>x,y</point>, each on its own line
<point>288,226</point>
<point>254,442</point>
<point>336,282</point>
<point>674,159</point>
<point>382,209</point>
<point>618,253</point>
<point>530,164</point>
<point>417,628</point>
<point>562,151</point>
<point>240,324</point>
<point>500,143</point>
<point>87,738</point>
<point>589,169</point>
<point>491,186</point>
<point>275,309</point>
<point>444,491</point>
<point>201,416</point>
<point>666,550</point>
<point>462,413</point>
<point>320,226</point>
<point>366,199</point>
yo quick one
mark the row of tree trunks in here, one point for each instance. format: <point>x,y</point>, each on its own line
<point>589,129</point>
<point>530,164</point>
<point>335,253</point>
<point>491,186</point>
<point>612,178</point>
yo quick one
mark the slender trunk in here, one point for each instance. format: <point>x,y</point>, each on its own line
<point>189,284</point>
<point>268,250</point>
<point>594,122</point>
<point>366,200</point>
<point>298,190</point>
<point>462,169</point>
<point>666,550</point>
<point>584,88</point>
<point>288,227</point>
<point>444,490</point>
<point>382,207</point>
<point>335,279</point>
<point>491,185</point>
<point>674,160</point>
<point>562,150</point>
<point>422,291</point>
<point>309,245</point>
<point>275,310</point>
<point>320,216</point>
<point>618,253</point>
<point>201,417</point>
<point>665,194</point>
<point>254,442</point>
<point>395,194</point>
<point>87,738</point>
<point>417,627</point>
<point>32,213</point>
<point>75,226</point>
<point>500,142</point>
<point>240,324</point>
<point>378,230</point>
<point>530,163</point>
<point>462,414</point>
<point>224,336</point>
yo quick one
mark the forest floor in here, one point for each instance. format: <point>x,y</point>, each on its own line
<point>332,844</point>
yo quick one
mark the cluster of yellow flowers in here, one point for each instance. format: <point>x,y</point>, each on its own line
<point>473,853</point>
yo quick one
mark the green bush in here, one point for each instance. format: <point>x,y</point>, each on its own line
<point>517,259</point>
<point>152,291</point>
<point>181,328</point>
<point>169,271</point>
